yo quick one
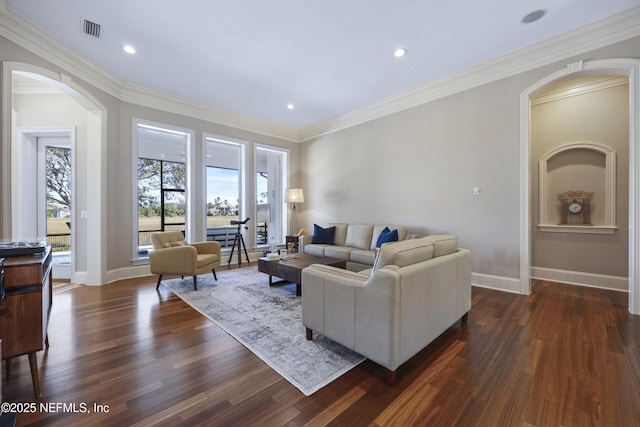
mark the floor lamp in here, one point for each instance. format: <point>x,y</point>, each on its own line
<point>294,195</point>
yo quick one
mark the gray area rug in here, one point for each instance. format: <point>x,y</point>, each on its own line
<point>268,321</point>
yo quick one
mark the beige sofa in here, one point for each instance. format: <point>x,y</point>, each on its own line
<point>416,290</point>
<point>355,243</point>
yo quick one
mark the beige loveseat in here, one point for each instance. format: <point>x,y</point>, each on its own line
<point>416,290</point>
<point>355,243</point>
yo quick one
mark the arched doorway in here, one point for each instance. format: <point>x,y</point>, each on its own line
<point>622,67</point>
<point>89,228</point>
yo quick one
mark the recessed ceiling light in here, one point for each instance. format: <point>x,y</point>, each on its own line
<point>129,49</point>
<point>290,106</point>
<point>534,16</point>
<point>400,52</point>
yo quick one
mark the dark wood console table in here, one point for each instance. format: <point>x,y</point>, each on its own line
<point>24,313</point>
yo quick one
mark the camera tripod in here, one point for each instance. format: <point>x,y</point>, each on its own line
<point>240,241</point>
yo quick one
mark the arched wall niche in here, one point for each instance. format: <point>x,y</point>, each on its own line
<point>581,166</point>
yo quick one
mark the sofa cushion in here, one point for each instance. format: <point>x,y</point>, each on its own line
<point>387,236</point>
<point>362,256</point>
<point>317,250</point>
<point>443,244</point>
<point>359,236</point>
<point>377,229</point>
<point>340,252</point>
<point>341,233</point>
<point>323,236</point>
<point>404,253</point>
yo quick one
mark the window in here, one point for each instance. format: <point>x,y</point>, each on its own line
<point>224,188</point>
<point>161,196</point>
<point>271,176</point>
<point>262,208</point>
<point>161,177</point>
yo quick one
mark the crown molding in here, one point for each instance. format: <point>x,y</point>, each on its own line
<point>21,32</point>
<point>602,33</point>
<point>149,98</point>
<point>611,30</point>
<point>26,35</point>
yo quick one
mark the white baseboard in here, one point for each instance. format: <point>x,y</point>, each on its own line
<point>591,280</point>
<point>499,283</point>
<point>142,269</point>
<point>79,277</point>
<point>128,273</point>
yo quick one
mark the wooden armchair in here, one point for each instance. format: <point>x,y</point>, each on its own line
<point>171,254</point>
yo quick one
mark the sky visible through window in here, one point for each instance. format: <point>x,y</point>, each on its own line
<point>223,183</point>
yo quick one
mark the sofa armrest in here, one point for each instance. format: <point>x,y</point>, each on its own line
<point>353,278</point>
<point>303,240</point>
<point>328,302</point>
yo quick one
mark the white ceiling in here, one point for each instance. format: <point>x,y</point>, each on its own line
<point>327,57</point>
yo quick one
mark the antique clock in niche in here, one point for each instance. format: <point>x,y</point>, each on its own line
<point>575,207</point>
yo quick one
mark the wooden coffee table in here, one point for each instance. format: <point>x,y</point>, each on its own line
<point>291,269</point>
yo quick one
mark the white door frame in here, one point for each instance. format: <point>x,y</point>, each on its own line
<point>614,66</point>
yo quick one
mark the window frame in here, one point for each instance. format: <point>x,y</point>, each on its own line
<point>243,211</point>
<point>284,180</point>
<point>189,156</point>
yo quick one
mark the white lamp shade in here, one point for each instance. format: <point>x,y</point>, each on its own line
<point>294,195</point>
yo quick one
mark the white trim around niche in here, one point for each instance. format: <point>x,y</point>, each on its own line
<point>609,226</point>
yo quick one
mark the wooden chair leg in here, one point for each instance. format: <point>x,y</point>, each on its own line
<point>159,280</point>
<point>213,270</point>
<point>309,334</point>
<point>195,283</point>
<point>35,379</point>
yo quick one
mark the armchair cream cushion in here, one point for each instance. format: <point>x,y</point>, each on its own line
<point>171,254</point>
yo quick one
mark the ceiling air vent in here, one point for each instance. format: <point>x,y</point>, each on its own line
<point>91,28</point>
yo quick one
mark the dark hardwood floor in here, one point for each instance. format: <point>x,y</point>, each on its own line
<point>565,355</point>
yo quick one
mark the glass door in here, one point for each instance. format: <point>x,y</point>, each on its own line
<point>55,200</point>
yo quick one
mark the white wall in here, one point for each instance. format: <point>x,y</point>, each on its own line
<point>418,167</point>
<point>117,158</point>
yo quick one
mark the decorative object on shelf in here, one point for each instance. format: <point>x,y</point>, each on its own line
<point>294,195</point>
<point>575,207</point>
<point>21,248</point>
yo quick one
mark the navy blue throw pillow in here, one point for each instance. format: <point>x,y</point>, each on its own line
<point>387,235</point>
<point>324,236</point>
